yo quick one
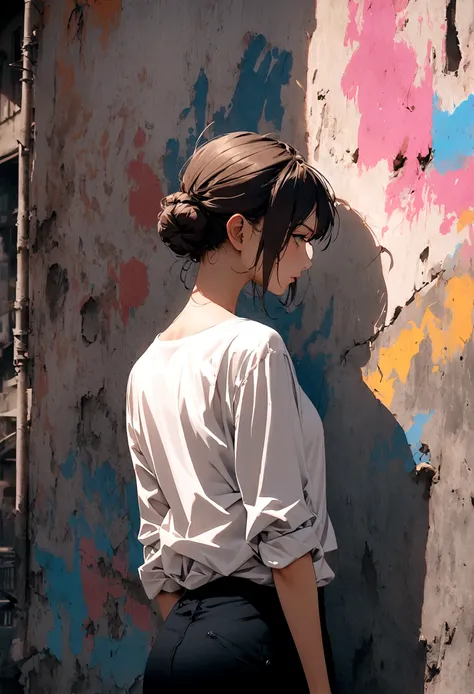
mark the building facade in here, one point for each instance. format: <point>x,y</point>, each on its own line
<point>11,30</point>
<point>379,96</point>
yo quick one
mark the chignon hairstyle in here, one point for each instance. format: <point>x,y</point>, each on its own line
<point>256,176</point>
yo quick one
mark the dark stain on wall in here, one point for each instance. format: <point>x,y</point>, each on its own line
<point>453,51</point>
<point>57,287</point>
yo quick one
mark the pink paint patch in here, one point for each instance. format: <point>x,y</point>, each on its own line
<point>380,77</point>
<point>140,138</point>
<point>96,588</point>
<point>352,31</point>
<point>145,197</point>
<point>414,190</point>
<point>140,614</point>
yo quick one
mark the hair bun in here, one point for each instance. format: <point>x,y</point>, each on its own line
<point>181,225</point>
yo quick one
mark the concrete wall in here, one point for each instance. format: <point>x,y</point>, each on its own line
<point>377,94</point>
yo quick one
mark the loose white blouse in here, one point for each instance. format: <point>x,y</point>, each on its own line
<point>229,459</point>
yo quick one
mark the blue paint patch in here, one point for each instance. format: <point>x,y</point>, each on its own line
<point>68,468</point>
<point>63,590</point>
<point>455,252</point>
<point>135,548</point>
<point>414,438</point>
<point>263,71</point>
<point>262,74</point>
<point>452,135</point>
<point>121,661</point>
<point>101,487</point>
<point>173,161</point>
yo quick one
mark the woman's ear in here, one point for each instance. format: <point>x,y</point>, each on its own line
<point>235,231</point>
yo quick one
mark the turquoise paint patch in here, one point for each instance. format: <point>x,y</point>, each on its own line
<point>63,590</point>
<point>414,438</point>
<point>121,661</point>
<point>452,135</point>
<point>263,71</point>
<point>101,486</point>
<point>68,468</point>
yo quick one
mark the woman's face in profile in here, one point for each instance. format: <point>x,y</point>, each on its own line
<point>295,259</point>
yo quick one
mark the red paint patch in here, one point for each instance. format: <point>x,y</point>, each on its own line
<point>119,562</point>
<point>140,614</point>
<point>95,587</point>
<point>132,281</point>
<point>145,197</point>
<point>140,138</point>
<point>133,287</point>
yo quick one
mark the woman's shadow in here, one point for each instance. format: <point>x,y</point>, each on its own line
<point>378,507</point>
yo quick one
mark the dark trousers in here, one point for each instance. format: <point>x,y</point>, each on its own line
<point>228,636</point>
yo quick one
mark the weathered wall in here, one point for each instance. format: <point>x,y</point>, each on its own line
<point>369,91</point>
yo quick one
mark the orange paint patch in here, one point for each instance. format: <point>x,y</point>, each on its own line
<point>145,196</point>
<point>105,15</point>
<point>465,219</point>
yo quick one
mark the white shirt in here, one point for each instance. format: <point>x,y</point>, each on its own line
<point>229,459</point>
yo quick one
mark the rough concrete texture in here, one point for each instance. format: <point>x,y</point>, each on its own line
<point>378,95</point>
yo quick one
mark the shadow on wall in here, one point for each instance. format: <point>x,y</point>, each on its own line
<point>380,511</point>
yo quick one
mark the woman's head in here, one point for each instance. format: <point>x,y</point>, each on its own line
<point>254,195</point>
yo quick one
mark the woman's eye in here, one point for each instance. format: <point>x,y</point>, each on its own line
<point>299,240</point>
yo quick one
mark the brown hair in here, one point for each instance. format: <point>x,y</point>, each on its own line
<point>256,176</point>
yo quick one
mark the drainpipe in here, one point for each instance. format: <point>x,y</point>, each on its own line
<point>20,333</point>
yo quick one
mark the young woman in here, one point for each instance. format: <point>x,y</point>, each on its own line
<point>227,450</point>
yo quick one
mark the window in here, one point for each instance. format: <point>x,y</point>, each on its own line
<point>16,67</point>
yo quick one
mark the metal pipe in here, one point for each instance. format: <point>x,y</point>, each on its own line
<point>20,333</point>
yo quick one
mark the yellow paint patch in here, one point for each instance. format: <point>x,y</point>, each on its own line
<point>394,363</point>
<point>447,340</point>
<point>465,219</point>
<point>447,336</point>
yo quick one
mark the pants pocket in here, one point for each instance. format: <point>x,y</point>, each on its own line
<point>243,655</point>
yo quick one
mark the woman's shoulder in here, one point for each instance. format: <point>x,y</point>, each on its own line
<point>252,336</point>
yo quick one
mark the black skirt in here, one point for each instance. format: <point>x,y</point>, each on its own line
<point>227,636</point>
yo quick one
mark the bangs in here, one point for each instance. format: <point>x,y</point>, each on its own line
<point>297,191</point>
<point>314,194</point>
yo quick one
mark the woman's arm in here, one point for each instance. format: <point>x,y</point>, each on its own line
<point>298,594</point>
<point>166,602</point>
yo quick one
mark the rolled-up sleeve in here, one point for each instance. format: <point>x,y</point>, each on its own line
<point>270,466</point>
<point>152,507</point>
